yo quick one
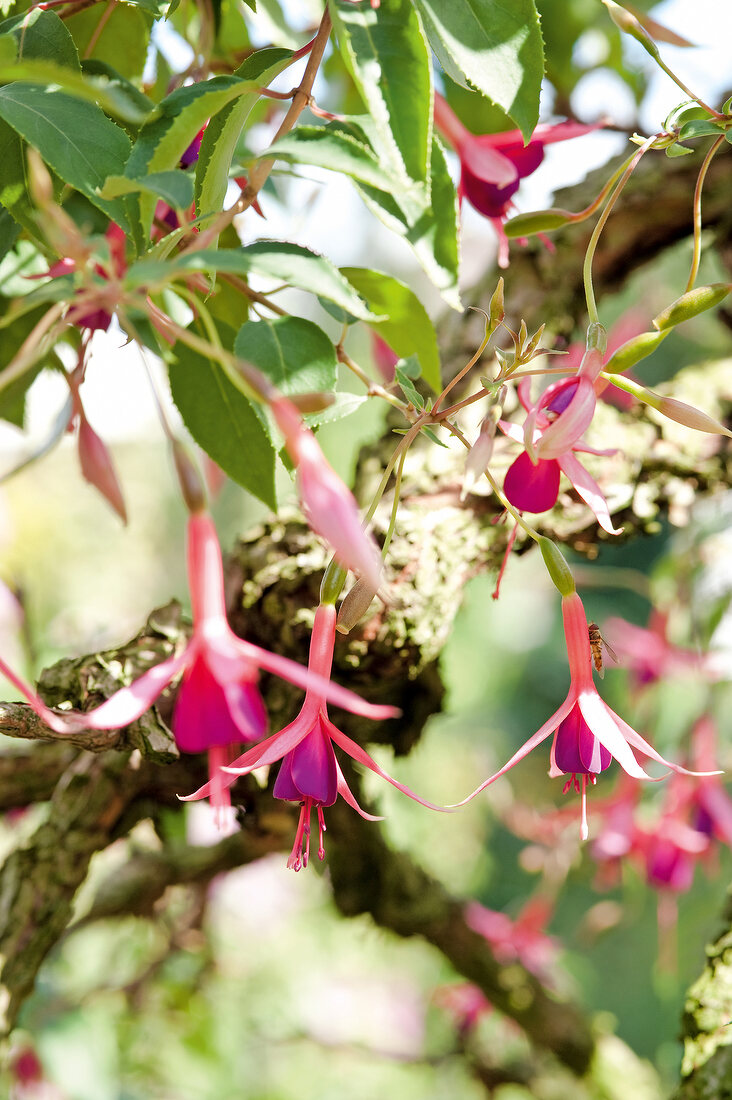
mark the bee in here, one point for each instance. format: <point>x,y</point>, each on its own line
<point>596,643</point>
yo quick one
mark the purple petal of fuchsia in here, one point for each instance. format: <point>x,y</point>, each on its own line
<point>349,798</point>
<point>247,709</point>
<point>203,716</point>
<point>362,757</point>
<point>284,787</point>
<point>642,745</point>
<point>571,424</point>
<point>589,490</point>
<point>604,725</point>
<point>488,199</point>
<point>576,750</point>
<point>532,488</point>
<point>313,767</point>
<point>716,807</point>
<point>130,703</point>
<point>310,681</point>
<point>541,734</point>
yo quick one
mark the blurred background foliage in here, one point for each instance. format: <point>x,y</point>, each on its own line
<point>256,988</point>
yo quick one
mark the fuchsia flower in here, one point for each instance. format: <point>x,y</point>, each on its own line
<point>587,733</point>
<point>551,436</point>
<point>493,165</point>
<point>99,316</point>
<point>219,705</point>
<point>310,773</point>
<point>649,655</point>
<point>329,507</point>
<point>625,328</point>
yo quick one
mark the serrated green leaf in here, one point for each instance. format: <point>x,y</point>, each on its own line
<point>408,329</point>
<point>434,234</point>
<point>280,260</point>
<point>74,138</point>
<point>166,136</point>
<point>386,52</point>
<point>131,104</point>
<point>175,188</point>
<point>492,46</point>
<point>335,148</point>
<point>223,422</point>
<point>222,133</point>
<point>293,353</point>
<point>404,372</point>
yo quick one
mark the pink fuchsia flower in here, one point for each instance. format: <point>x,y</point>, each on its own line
<point>310,773</point>
<point>493,165</point>
<point>329,507</point>
<point>551,436</point>
<point>523,939</point>
<point>625,328</point>
<point>588,734</point>
<point>98,307</point>
<point>94,458</point>
<point>647,652</point>
<point>218,705</point>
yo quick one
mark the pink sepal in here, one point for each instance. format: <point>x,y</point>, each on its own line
<point>601,721</point>
<point>348,797</point>
<point>362,757</point>
<point>130,703</point>
<point>589,490</point>
<point>563,433</point>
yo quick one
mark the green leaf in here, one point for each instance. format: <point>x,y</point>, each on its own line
<point>122,98</point>
<point>344,405</point>
<point>404,372</point>
<point>701,127</point>
<point>175,188</point>
<point>678,150</point>
<point>42,35</point>
<point>166,136</point>
<point>223,422</point>
<point>14,333</point>
<point>9,231</point>
<point>74,138</point>
<point>386,52</point>
<point>408,329</point>
<point>434,233</point>
<point>118,37</point>
<point>336,148</point>
<point>493,47</point>
<point>279,260</point>
<point>295,354</point>
<point>222,133</point>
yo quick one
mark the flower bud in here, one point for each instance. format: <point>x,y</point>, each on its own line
<point>333,580</point>
<point>689,416</point>
<point>628,23</point>
<point>97,467</point>
<point>632,351</point>
<point>691,305</point>
<point>557,567</point>
<point>355,605</point>
<point>496,311</point>
<point>537,221</point>
<point>191,482</point>
<point>481,452</point>
<point>312,402</point>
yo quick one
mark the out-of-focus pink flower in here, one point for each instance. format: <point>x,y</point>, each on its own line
<point>648,654</point>
<point>523,939</point>
<point>587,732</point>
<point>310,773</point>
<point>91,315</point>
<point>551,436</point>
<point>384,357</point>
<point>493,165</point>
<point>219,705</point>
<point>329,507</point>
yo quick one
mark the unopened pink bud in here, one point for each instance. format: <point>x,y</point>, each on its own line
<point>191,483</point>
<point>689,416</point>
<point>480,453</point>
<point>97,467</point>
<point>329,507</point>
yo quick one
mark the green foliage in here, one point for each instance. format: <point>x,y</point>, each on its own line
<point>223,422</point>
<point>386,53</point>
<point>492,47</point>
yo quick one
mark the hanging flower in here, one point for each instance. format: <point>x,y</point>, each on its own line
<point>493,165</point>
<point>587,732</point>
<point>219,705</point>
<point>551,436</point>
<point>329,507</point>
<point>310,773</point>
